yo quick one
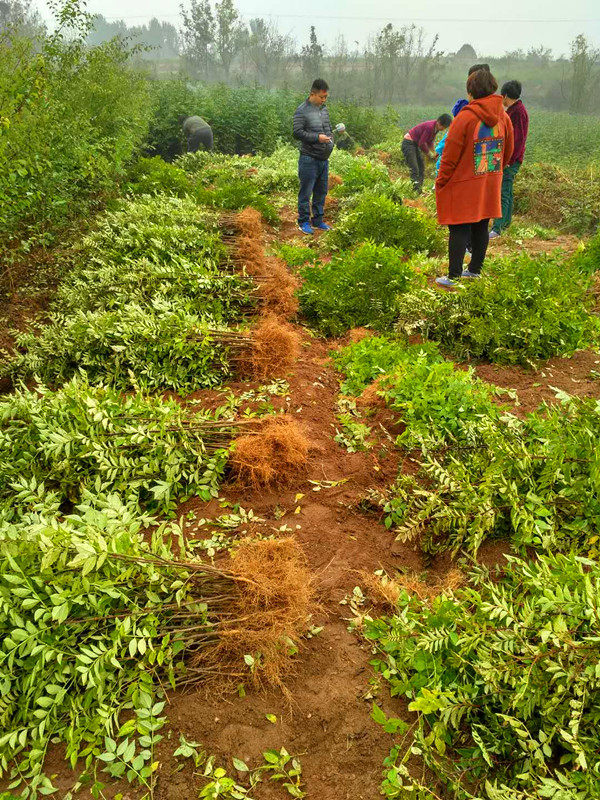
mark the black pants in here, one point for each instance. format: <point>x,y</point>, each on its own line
<point>414,159</point>
<point>203,137</point>
<point>479,235</point>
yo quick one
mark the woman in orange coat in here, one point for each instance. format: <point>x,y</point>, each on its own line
<point>468,187</point>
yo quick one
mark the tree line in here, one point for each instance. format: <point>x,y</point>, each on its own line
<point>395,65</point>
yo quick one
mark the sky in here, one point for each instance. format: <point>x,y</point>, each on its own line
<point>522,24</point>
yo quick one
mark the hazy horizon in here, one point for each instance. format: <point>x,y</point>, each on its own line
<point>457,23</point>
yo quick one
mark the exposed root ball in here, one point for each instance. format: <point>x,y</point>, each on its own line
<point>249,223</point>
<point>250,255</point>
<point>274,348</point>
<point>386,591</point>
<point>278,290</point>
<point>275,599</point>
<point>273,456</point>
<point>358,334</point>
<point>334,179</point>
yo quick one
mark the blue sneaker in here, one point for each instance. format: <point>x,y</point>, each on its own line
<point>445,281</point>
<point>494,235</point>
<point>466,273</point>
<point>322,226</point>
<point>306,227</point>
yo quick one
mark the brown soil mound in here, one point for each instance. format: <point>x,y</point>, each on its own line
<point>249,223</point>
<point>383,156</point>
<point>334,180</point>
<point>273,456</point>
<point>273,349</point>
<point>278,290</point>
<point>268,615</point>
<point>414,204</point>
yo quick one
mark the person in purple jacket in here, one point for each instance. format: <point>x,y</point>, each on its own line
<point>420,140</point>
<point>511,99</point>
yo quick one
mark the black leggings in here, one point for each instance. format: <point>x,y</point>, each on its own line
<point>458,242</point>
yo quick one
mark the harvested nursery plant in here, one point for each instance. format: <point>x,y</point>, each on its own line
<point>273,455</point>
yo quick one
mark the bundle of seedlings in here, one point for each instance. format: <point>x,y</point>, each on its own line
<point>277,288</point>
<point>273,458</point>
<point>356,288</point>
<point>162,346</point>
<point>97,622</point>
<point>522,310</point>
<point>503,677</point>
<point>152,451</point>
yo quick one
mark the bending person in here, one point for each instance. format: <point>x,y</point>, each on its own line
<point>478,148</point>
<point>420,140</point>
<point>197,132</point>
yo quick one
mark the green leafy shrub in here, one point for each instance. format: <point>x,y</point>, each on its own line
<point>382,221</point>
<point>504,680</point>
<point>355,288</point>
<point>531,481</point>
<point>158,346</point>
<point>237,194</point>
<point>438,403</point>
<point>296,255</point>
<point>72,118</point>
<point>152,175</point>
<point>587,258</point>
<point>363,175</point>
<point>524,309</point>
<point>148,450</point>
<point>368,359</point>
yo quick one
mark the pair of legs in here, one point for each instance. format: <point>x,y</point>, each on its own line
<point>414,160</point>
<point>202,138</point>
<point>508,180</point>
<point>477,233</point>
<point>314,182</point>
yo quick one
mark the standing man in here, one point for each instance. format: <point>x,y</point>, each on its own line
<point>313,128</point>
<point>511,99</point>
<point>420,140</point>
<point>197,132</point>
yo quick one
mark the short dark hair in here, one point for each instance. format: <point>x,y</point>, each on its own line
<point>445,120</point>
<point>477,67</point>
<point>511,89</point>
<point>481,84</point>
<point>319,85</point>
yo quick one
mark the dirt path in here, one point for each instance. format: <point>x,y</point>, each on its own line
<point>327,720</point>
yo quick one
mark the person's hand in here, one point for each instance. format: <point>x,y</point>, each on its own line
<point>324,139</point>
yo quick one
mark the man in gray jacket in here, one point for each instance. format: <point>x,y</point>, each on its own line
<point>313,128</point>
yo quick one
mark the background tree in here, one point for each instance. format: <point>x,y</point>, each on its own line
<point>229,35</point>
<point>584,73</point>
<point>20,14</point>
<point>311,57</point>
<point>269,52</point>
<point>198,38</point>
